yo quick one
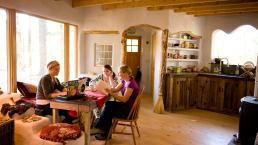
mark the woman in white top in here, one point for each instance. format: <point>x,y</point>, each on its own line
<point>108,76</point>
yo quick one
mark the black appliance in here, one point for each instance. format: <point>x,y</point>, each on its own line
<point>248,123</point>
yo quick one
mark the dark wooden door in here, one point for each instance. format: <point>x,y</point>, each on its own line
<point>214,95</point>
<point>133,54</point>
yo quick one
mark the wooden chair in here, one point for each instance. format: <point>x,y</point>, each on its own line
<point>132,117</point>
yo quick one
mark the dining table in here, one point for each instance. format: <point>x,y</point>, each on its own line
<point>85,105</point>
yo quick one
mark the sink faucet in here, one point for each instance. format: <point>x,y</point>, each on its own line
<point>220,64</point>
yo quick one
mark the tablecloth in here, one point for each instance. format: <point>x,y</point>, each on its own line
<point>100,100</point>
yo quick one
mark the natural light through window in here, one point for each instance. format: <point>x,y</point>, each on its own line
<point>39,41</point>
<point>239,46</point>
<point>132,45</point>
<point>3,52</point>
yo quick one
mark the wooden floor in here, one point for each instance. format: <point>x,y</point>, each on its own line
<point>190,127</point>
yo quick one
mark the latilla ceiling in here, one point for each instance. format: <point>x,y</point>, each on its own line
<point>198,8</point>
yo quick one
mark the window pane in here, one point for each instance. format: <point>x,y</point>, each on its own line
<point>110,47</point>
<point>129,42</point>
<point>134,48</point>
<point>3,52</point>
<point>135,42</point>
<point>99,62</point>
<point>100,48</point>
<point>39,41</point>
<point>72,53</point>
<point>129,48</point>
<point>99,55</point>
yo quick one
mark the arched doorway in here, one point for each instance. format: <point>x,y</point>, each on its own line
<point>162,67</point>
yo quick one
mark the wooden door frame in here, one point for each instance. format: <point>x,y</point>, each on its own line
<point>152,63</point>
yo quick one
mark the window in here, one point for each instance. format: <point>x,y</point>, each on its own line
<point>39,41</point>
<point>239,46</point>
<point>3,52</point>
<point>132,45</point>
<point>103,54</point>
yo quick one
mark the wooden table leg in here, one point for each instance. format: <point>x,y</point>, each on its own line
<point>87,119</point>
<point>55,116</point>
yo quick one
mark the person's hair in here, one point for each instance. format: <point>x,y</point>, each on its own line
<point>126,69</point>
<point>50,65</point>
<point>110,68</point>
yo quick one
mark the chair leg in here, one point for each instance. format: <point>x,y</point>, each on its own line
<point>133,133</point>
<point>112,129</point>
<point>137,128</point>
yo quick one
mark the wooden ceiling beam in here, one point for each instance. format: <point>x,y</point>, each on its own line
<point>237,6</point>
<point>208,4</point>
<point>224,11</point>
<point>226,14</point>
<point>85,3</point>
<point>151,3</point>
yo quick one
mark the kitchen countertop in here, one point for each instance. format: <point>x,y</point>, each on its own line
<point>193,74</point>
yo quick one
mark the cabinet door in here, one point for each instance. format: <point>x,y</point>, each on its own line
<point>214,96</point>
<point>169,93</point>
<point>193,91</point>
<point>229,105</point>
<point>240,91</point>
<point>250,88</point>
<point>203,92</point>
<point>181,93</point>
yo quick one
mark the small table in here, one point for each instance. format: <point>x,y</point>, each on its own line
<point>85,107</point>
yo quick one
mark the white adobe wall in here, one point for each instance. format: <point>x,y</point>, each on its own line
<point>226,23</point>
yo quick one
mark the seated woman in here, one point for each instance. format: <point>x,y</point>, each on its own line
<point>108,76</point>
<point>121,109</point>
<point>46,90</point>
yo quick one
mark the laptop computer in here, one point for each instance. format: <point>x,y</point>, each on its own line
<point>75,89</point>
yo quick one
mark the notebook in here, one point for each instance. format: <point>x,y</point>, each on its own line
<point>75,89</point>
<point>101,86</point>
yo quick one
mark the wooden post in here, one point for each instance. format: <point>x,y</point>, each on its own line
<point>124,53</point>
<point>163,63</point>
<point>66,51</point>
<point>11,51</point>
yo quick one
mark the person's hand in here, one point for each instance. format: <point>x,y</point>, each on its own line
<point>62,93</point>
<point>109,91</point>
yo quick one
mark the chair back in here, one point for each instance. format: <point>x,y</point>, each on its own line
<point>136,106</point>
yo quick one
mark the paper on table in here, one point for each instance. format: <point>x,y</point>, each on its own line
<point>101,86</point>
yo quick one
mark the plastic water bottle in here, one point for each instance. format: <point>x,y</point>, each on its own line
<point>237,70</point>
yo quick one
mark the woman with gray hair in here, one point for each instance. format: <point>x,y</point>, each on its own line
<point>46,90</point>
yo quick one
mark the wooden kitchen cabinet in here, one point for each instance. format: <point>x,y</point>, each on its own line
<point>215,94</point>
<point>203,92</point>
<point>209,92</point>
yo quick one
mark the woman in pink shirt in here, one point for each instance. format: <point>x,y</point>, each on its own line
<point>121,109</point>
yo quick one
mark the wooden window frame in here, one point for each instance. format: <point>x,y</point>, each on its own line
<point>95,53</point>
<point>11,47</point>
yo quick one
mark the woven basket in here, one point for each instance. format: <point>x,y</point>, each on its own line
<point>6,131</point>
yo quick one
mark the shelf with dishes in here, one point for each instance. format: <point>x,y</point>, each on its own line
<point>171,59</point>
<point>182,49</point>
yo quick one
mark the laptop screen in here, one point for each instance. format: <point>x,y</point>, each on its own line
<point>76,87</point>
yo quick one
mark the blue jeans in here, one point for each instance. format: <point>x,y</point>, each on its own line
<point>111,109</point>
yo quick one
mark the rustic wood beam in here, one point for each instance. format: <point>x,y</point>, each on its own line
<point>236,6</point>
<point>208,4</point>
<point>101,32</point>
<point>226,14</point>
<point>224,11</point>
<point>145,25</point>
<point>85,3</point>
<point>151,3</point>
